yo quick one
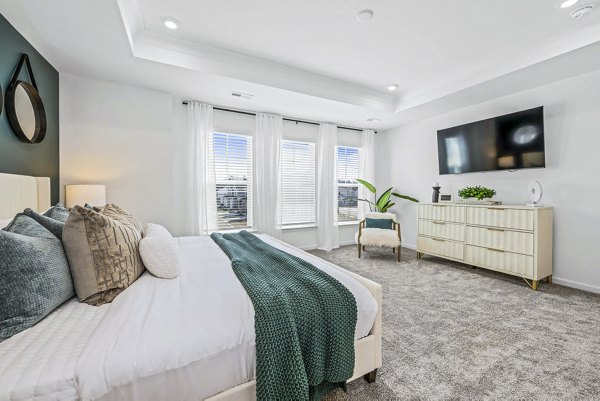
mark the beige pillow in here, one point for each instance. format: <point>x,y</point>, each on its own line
<point>103,252</point>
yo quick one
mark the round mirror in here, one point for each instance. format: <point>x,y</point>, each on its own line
<point>26,112</point>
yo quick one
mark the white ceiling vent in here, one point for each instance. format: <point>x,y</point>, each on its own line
<point>242,95</point>
<point>581,11</point>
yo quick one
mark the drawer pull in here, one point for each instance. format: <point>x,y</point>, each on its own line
<point>496,229</point>
<point>438,205</point>
<point>438,240</point>
<point>496,208</point>
<point>440,223</point>
<point>495,250</point>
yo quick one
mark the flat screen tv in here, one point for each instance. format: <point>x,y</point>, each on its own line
<point>510,142</point>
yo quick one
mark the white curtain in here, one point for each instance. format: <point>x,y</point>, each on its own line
<point>201,190</point>
<point>267,179</point>
<point>366,170</point>
<point>327,188</point>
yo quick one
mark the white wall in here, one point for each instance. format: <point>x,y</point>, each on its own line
<point>407,158</point>
<point>132,140</point>
<point>128,138</point>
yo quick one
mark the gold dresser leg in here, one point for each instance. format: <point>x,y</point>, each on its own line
<point>534,284</point>
<point>549,279</point>
<point>419,255</point>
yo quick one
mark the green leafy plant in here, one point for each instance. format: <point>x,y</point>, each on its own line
<point>477,192</point>
<point>383,203</point>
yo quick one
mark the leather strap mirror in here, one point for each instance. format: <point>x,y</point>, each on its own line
<point>1,100</point>
<point>24,106</point>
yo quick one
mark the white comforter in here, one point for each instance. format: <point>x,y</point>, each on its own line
<point>181,339</point>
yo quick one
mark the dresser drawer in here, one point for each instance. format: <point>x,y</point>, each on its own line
<point>507,262</point>
<point>497,216</point>
<point>440,229</point>
<point>499,238</point>
<point>446,213</point>
<point>436,246</point>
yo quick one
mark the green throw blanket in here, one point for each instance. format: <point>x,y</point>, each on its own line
<point>304,320</point>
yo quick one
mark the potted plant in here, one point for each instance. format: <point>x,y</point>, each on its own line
<point>383,203</point>
<point>480,193</point>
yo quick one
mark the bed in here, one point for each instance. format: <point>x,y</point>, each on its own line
<point>187,338</point>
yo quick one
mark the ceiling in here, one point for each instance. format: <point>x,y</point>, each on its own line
<point>311,58</point>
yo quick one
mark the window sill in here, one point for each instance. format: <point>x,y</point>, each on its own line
<point>349,223</point>
<point>299,226</point>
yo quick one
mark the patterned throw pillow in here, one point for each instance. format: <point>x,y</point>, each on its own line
<point>103,252</point>
<point>35,277</point>
<point>57,212</point>
<point>379,223</point>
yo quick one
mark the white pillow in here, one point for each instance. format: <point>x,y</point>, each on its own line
<point>159,251</point>
<point>4,223</point>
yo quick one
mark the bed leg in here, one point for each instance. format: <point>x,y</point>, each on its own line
<point>371,376</point>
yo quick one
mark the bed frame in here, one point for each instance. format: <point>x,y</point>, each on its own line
<point>18,192</point>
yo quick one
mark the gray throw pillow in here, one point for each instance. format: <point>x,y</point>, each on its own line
<point>58,212</point>
<point>34,274</point>
<point>54,226</point>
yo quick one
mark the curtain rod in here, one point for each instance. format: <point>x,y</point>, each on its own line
<point>294,120</point>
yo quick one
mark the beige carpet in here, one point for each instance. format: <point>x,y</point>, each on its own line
<point>453,332</point>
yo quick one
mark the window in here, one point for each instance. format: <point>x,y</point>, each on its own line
<point>298,182</point>
<point>232,156</point>
<point>347,171</point>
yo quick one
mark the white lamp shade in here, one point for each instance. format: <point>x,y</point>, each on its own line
<point>95,195</point>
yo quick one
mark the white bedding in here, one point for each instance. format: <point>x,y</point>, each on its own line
<point>39,363</point>
<point>181,339</point>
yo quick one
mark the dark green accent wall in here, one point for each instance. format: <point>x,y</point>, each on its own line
<point>17,157</point>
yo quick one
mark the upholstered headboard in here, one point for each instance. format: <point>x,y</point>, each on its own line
<point>18,192</point>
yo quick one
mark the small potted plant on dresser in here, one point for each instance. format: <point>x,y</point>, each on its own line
<point>478,195</point>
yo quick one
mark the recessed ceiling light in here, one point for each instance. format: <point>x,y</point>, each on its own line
<point>582,11</point>
<point>242,95</point>
<point>364,15</point>
<point>392,88</point>
<point>373,119</point>
<point>170,23</point>
<point>568,3</point>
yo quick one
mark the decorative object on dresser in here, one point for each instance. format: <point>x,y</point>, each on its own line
<point>381,230</point>
<point>81,194</point>
<point>436,192</point>
<point>535,193</point>
<point>480,193</point>
<point>446,198</point>
<point>24,106</point>
<point>516,240</point>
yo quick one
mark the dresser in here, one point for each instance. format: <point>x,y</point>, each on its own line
<point>515,240</point>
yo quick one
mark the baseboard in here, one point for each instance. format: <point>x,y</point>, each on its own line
<point>576,284</point>
<point>315,246</point>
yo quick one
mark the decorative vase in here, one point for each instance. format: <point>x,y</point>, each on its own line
<point>436,194</point>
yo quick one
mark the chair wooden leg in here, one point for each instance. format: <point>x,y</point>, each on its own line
<point>393,250</point>
<point>364,248</point>
<point>359,247</point>
<point>398,254</point>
